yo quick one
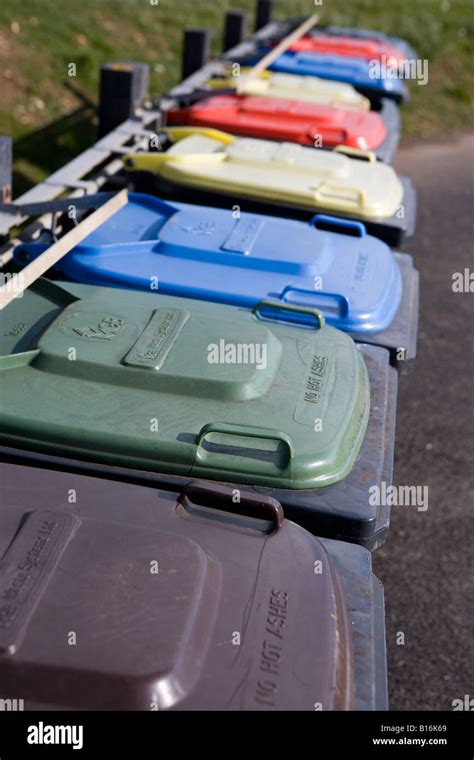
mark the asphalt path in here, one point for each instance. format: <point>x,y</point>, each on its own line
<point>427,563</point>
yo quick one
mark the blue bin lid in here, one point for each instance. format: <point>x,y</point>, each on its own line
<point>209,254</point>
<point>354,71</point>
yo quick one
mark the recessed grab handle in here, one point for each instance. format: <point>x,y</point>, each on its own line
<point>269,306</point>
<point>227,461</point>
<point>246,431</point>
<point>329,223</point>
<point>333,304</point>
<point>364,155</point>
<point>202,498</point>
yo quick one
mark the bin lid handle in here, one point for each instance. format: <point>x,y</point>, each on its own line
<point>220,497</point>
<point>282,306</point>
<point>365,155</point>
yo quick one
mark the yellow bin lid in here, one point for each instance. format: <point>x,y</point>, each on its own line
<point>308,89</point>
<point>343,180</point>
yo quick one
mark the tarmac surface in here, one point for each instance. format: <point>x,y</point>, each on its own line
<point>427,563</point>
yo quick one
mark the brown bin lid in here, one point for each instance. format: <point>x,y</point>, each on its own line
<point>136,599</point>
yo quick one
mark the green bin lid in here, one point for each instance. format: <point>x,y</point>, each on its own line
<point>181,386</point>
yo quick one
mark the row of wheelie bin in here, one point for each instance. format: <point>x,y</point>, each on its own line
<point>199,402</point>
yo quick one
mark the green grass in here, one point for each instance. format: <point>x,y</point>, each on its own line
<point>40,38</point>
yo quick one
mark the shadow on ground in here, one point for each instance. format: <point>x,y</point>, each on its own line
<point>42,152</point>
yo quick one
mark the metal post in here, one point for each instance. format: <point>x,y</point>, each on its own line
<point>264,13</point>
<point>5,169</point>
<point>123,87</point>
<point>196,50</point>
<point>235,29</point>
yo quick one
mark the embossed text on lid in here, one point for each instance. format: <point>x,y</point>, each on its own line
<point>27,568</point>
<point>157,339</point>
<point>243,236</point>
